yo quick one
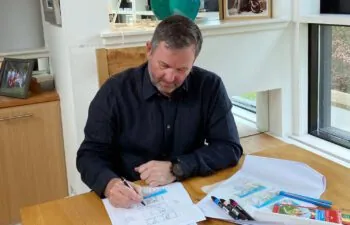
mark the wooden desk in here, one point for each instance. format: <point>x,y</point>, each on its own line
<point>88,208</point>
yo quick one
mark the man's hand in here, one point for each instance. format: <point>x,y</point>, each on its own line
<point>121,196</point>
<point>156,173</point>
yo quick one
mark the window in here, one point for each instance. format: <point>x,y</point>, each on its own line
<point>246,101</point>
<point>329,83</point>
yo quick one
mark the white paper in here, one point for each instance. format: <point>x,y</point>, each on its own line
<point>173,207</point>
<point>288,175</point>
<point>249,222</point>
<point>209,188</point>
<point>255,187</point>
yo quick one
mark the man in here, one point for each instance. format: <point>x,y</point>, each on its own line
<point>164,121</point>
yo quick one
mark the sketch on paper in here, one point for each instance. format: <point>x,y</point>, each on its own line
<point>173,207</point>
<point>157,214</point>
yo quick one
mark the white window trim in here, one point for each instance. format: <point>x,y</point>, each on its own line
<point>300,136</point>
<point>323,148</point>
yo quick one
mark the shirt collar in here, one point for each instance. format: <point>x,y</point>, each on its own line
<point>148,89</point>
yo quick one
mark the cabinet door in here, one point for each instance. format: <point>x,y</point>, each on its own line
<point>33,156</point>
<point>4,187</point>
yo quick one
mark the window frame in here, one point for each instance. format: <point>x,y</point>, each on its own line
<point>319,42</point>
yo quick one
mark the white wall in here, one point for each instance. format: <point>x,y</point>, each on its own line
<point>243,59</point>
<point>20,25</point>
<point>79,28</point>
<point>253,61</point>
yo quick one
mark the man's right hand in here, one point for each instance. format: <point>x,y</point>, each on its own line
<point>121,196</point>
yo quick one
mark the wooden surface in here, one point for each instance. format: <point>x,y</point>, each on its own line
<point>259,143</point>
<point>32,163</point>
<point>113,61</point>
<point>87,208</point>
<point>102,65</point>
<point>6,102</point>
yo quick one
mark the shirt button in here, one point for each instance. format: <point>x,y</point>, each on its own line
<point>168,126</point>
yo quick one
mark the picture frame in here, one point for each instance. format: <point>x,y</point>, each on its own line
<point>15,77</point>
<point>52,11</point>
<point>245,9</point>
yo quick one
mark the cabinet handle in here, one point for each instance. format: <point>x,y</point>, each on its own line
<point>16,117</point>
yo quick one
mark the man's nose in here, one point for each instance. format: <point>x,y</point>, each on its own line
<point>170,76</point>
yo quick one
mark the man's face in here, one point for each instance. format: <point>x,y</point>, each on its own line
<point>169,68</point>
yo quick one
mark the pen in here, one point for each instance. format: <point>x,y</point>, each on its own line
<point>224,207</point>
<point>315,201</point>
<point>233,209</point>
<point>240,209</point>
<point>129,186</point>
<point>156,193</point>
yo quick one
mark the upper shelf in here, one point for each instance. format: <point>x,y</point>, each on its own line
<point>137,34</point>
<point>331,19</point>
<point>150,13</point>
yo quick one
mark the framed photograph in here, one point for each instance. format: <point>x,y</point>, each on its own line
<point>112,17</point>
<point>245,9</point>
<point>52,11</point>
<point>15,77</point>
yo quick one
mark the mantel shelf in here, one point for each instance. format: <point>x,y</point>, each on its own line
<point>137,35</point>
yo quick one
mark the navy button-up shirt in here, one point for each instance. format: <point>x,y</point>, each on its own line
<point>130,123</point>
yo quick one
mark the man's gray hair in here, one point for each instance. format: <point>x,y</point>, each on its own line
<point>178,32</point>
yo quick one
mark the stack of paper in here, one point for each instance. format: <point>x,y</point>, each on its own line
<point>256,186</point>
<point>173,207</point>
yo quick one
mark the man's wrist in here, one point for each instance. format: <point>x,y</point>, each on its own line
<point>109,186</point>
<point>177,169</point>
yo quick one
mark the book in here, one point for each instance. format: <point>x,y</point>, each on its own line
<point>329,215</point>
<point>345,218</point>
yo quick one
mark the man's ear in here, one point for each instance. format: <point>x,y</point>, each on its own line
<point>148,49</point>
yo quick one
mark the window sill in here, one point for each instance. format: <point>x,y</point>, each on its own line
<point>326,19</point>
<point>135,35</point>
<point>323,148</point>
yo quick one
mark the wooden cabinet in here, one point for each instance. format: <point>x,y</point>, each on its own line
<point>32,163</point>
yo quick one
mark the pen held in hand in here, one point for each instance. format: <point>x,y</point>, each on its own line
<point>129,186</point>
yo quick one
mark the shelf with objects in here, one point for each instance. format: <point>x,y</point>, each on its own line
<point>140,11</point>
<point>28,70</point>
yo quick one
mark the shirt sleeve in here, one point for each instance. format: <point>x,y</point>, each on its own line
<point>95,153</point>
<point>223,148</point>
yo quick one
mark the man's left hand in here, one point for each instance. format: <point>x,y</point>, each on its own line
<point>156,173</point>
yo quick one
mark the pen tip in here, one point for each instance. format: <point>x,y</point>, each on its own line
<point>213,198</point>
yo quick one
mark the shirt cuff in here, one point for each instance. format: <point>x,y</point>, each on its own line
<point>102,181</point>
<point>189,165</point>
